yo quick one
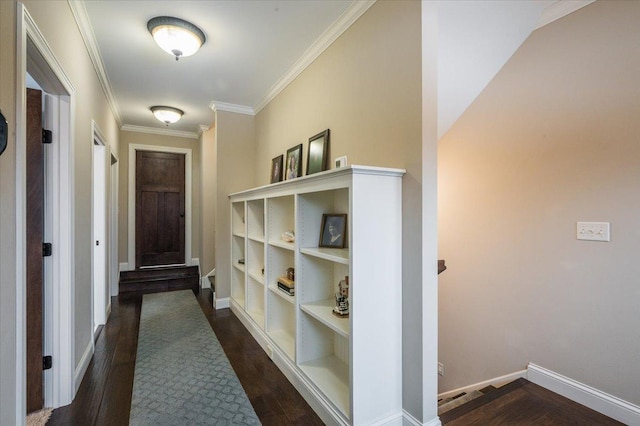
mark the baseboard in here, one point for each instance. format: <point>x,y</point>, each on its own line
<point>409,420</point>
<point>595,399</point>
<point>124,266</point>
<point>496,381</point>
<point>204,282</point>
<point>393,420</point>
<point>221,303</point>
<point>78,375</point>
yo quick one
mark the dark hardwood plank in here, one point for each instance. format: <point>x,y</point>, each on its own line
<point>523,403</point>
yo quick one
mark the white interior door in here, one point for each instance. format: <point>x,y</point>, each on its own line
<point>99,236</point>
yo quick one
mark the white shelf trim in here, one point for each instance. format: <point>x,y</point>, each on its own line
<point>331,376</point>
<point>285,296</point>
<point>332,254</point>
<point>323,312</point>
<point>285,341</point>
<point>282,244</point>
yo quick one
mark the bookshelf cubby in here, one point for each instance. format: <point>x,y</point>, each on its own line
<point>348,368</point>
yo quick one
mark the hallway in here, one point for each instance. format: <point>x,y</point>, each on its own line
<point>104,397</point>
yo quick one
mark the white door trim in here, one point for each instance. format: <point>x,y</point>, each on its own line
<point>114,171</point>
<point>36,57</point>
<point>132,199</point>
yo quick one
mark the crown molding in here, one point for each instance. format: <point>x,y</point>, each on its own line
<point>158,131</point>
<point>560,9</point>
<point>357,9</point>
<point>202,128</point>
<point>86,31</point>
<point>223,106</point>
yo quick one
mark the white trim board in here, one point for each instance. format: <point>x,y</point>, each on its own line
<point>221,303</point>
<point>34,55</point>
<point>86,31</point>
<point>131,232</point>
<point>595,399</point>
<point>159,131</point>
<point>83,365</point>
<point>326,39</point>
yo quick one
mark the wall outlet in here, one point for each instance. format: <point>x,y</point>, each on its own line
<point>440,369</point>
<point>593,231</point>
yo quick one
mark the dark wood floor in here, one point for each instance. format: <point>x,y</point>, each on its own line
<point>523,403</point>
<point>104,397</point>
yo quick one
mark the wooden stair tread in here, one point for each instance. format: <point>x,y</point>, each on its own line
<point>160,279</point>
<point>159,274</point>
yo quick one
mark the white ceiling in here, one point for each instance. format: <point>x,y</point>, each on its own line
<point>253,49</point>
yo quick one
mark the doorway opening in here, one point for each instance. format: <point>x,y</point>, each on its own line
<point>131,214</point>
<point>36,60</point>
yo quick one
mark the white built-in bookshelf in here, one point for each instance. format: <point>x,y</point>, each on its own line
<point>348,369</point>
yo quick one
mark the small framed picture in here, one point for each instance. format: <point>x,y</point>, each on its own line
<point>276,169</point>
<point>294,162</point>
<point>333,231</point>
<point>317,156</point>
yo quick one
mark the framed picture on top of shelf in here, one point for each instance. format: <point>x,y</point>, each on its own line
<point>333,230</point>
<point>317,155</point>
<point>294,162</point>
<point>276,169</point>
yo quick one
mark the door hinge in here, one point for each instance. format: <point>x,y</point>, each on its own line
<point>47,136</point>
<point>47,249</point>
<point>47,362</point>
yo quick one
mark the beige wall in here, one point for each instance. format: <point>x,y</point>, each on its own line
<point>135,138</point>
<point>235,142</point>
<point>8,401</point>
<point>366,88</point>
<point>208,191</point>
<point>91,104</point>
<point>551,141</point>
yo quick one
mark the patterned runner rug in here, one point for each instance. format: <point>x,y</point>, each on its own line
<point>182,376</point>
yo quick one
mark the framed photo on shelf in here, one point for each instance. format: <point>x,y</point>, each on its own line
<point>317,155</point>
<point>276,169</point>
<point>333,231</point>
<point>294,162</point>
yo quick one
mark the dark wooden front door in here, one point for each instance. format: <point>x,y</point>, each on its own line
<point>35,237</point>
<point>160,208</point>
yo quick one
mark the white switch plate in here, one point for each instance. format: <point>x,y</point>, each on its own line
<point>593,231</point>
<point>341,162</point>
<point>441,369</point>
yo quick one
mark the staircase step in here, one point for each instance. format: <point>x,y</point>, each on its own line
<point>160,279</point>
<point>481,400</point>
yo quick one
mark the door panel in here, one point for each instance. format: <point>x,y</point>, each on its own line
<point>160,207</point>
<point>35,236</point>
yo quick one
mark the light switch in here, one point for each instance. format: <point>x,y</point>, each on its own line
<point>593,231</point>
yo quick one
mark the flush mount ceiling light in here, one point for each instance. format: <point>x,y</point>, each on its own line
<point>167,114</point>
<point>176,36</point>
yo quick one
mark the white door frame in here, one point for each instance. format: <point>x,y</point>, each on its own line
<point>132,199</point>
<point>34,55</point>
<point>114,172</point>
<point>99,290</point>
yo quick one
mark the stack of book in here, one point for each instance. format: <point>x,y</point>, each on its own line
<point>286,285</point>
